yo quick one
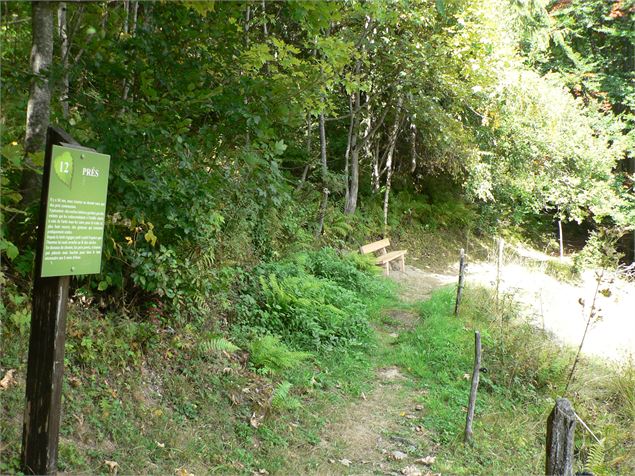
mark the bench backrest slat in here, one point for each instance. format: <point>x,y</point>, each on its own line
<point>378,245</point>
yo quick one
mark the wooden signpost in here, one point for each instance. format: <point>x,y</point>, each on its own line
<point>69,242</point>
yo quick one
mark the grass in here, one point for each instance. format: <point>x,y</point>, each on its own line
<point>526,370</point>
<point>155,396</point>
<point>154,399</point>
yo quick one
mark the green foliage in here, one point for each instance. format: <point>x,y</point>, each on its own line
<point>314,301</point>
<point>270,356</point>
<point>523,371</point>
<point>217,344</point>
<point>600,250</point>
<point>282,398</point>
<point>595,459</point>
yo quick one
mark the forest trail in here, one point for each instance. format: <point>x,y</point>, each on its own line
<point>548,303</point>
<point>378,433</point>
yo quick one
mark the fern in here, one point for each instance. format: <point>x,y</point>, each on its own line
<point>282,400</point>
<point>271,356</point>
<point>595,461</point>
<point>217,344</point>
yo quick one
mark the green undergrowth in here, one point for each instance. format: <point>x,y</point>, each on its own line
<point>523,371</point>
<point>156,396</point>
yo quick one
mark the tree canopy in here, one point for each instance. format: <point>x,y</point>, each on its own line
<point>212,113</point>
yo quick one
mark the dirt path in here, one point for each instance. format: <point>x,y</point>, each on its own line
<point>550,304</point>
<point>379,433</point>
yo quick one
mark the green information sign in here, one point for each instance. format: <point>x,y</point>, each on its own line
<point>75,212</point>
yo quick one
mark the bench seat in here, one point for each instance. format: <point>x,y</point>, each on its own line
<point>388,257</point>
<point>385,258</point>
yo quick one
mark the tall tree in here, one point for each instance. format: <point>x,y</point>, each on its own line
<point>39,105</point>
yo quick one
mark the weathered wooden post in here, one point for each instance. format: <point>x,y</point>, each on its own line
<point>475,378</point>
<point>560,434</point>
<point>69,242</point>
<point>499,265</point>
<point>459,290</point>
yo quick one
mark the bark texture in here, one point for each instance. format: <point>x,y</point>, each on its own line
<point>560,434</point>
<point>39,106</point>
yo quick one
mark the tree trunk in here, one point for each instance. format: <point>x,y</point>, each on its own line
<point>325,171</point>
<point>375,173</point>
<point>39,106</point>
<point>129,28</point>
<point>62,26</point>
<point>347,153</point>
<point>413,146</point>
<point>309,153</point>
<point>389,166</point>
<point>352,184</point>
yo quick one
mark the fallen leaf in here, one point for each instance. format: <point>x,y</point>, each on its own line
<point>260,471</point>
<point>8,379</point>
<point>419,429</point>
<point>345,462</point>
<point>411,471</point>
<point>428,460</point>
<point>182,472</point>
<point>418,407</point>
<point>160,445</point>
<point>113,467</point>
<point>256,420</point>
<point>363,396</point>
<point>398,455</point>
<point>467,376</point>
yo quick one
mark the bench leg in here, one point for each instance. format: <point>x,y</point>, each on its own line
<point>403,264</point>
<point>387,269</point>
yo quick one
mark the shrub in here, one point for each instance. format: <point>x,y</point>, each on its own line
<point>314,301</point>
<point>271,356</point>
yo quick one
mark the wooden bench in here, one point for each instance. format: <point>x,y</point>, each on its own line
<point>385,257</point>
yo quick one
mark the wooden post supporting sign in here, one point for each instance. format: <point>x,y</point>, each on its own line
<point>55,262</point>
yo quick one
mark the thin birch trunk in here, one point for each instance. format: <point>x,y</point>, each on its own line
<point>246,99</point>
<point>347,153</point>
<point>132,31</point>
<point>375,174</point>
<point>413,145</point>
<point>325,170</point>
<point>389,165</point>
<point>309,152</point>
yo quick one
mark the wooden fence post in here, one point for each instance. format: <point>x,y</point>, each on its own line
<point>459,290</point>
<point>560,434</point>
<point>475,378</point>
<point>45,366</point>
<point>499,265</point>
